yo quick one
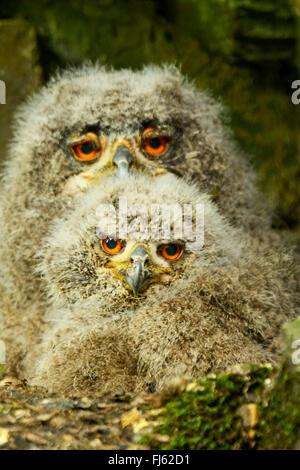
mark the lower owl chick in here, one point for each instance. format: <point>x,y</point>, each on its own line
<point>146,281</point>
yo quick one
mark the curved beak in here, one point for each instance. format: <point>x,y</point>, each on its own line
<point>137,276</point>
<point>122,159</point>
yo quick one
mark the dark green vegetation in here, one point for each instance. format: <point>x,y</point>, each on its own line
<point>244,51</point>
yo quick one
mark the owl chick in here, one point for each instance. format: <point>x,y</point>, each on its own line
<point>133,312</point>
<point>89,123</point>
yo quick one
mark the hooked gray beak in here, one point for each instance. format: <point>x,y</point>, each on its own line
<point>137,277</point>
<point>122,159</point>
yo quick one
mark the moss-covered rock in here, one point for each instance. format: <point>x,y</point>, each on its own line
<point>216,412</point>
<point>250,407</point>
<point>279,426</point>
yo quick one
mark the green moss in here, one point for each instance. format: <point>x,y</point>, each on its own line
<point>279,426</point>
<point>214,412</point>
<point>279,423</point>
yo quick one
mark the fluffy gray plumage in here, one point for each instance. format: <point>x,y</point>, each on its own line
<point>214,307</point>
<point>43,180</point>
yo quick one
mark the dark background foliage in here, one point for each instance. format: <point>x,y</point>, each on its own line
<point>245,51</point>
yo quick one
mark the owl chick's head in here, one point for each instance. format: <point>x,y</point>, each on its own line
<point>128,240</point>
<point>91,122</point>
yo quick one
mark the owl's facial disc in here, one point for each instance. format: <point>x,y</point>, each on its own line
<point>137,269</point>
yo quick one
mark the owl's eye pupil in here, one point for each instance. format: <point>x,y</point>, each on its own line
<point>155,143</point>
<point>111,243</point>
<point>172,250</point>
<point>86,148</point>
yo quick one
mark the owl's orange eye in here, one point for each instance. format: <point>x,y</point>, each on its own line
<point>86,150</point>
<point>171,251</point>
<point>112,246</point>
<point>154,144</point>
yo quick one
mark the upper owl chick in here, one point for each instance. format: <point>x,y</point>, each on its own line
<point>131,312</point>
